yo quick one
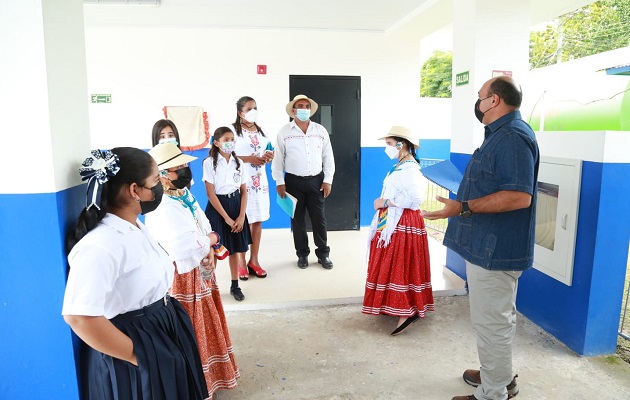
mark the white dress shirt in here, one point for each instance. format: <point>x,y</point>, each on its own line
<point>116,268</point>
<point>303,154</point>
<point>226,178</point>
<point>183,236</point>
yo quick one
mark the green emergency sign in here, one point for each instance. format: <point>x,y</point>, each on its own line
<point>462,78</point>
<point>101,98</point>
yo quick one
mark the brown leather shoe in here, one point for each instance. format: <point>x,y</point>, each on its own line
<point>469,397</point>
<point>473,378</point>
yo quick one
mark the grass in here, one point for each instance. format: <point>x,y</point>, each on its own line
<point>435,228</point>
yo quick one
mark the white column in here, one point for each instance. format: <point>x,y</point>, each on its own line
<point>44,136</point>
<point>487,35</point>
<point>43,94</point>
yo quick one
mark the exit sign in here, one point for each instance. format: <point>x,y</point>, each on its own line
<point>101,98</point>
<point>463,78</point>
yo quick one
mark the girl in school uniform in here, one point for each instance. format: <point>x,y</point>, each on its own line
<point>116,297</point>
<point>225,182</point>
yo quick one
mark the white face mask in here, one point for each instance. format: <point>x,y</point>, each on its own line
<point>392,151</point>
<point>251,115</point>
<point>168,140</point>
<point>227,147</point>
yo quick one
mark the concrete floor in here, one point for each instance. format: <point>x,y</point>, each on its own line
<point>288,286</point>
<point>300,334</point>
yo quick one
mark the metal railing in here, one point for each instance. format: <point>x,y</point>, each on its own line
<point>430,203</point>
<point>624,325</point>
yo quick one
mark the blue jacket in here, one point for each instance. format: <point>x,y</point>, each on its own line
<point>508,159</point>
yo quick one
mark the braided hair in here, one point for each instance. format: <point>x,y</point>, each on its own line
<point>410,147</point>
<point>240,104</point>
<point>214,150</point>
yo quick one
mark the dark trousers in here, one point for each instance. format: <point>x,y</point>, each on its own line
<point>309,197</point>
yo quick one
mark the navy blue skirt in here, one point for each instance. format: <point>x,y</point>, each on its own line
<point>234,242</point>
<point>168,368</point>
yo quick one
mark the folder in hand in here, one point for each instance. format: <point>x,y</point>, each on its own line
<point>287,204</point>
<point>444,174</point>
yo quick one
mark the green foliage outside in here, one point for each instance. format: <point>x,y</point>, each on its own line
<point>601,26</point>
<point>598,27</point>
<point>436,75</point>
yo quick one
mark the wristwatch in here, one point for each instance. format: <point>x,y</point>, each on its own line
<point>466,213</point>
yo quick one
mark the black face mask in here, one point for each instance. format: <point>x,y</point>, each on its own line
<point>184,177</point>
<point>148,206</point>
<point>478,113</point>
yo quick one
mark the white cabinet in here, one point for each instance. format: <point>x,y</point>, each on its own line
<point>556,217</point>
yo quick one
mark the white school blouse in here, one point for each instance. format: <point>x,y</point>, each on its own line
<point>303,154</point>
<point>184,236</point>
<point>226,178</point>
<point>116,268</point>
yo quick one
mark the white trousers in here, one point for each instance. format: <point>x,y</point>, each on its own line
<point>492,296</point>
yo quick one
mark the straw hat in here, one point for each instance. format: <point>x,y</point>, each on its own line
<point>168,155</point>
<point>402,132</point>
<point>289,106</point>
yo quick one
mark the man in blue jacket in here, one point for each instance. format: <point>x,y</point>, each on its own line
<point>492,227</point>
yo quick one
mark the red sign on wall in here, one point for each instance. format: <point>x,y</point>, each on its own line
<point>497,72</point>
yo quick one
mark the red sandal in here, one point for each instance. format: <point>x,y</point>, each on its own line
<point>256,270</point>
<point>242,274</point>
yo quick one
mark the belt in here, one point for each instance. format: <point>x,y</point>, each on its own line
<point>305,177</point>
<point>229,196</point>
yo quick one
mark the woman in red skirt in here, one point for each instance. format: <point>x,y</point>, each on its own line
<point>399,271</point>
<point>182,229</point>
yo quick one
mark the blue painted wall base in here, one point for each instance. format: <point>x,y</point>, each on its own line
<point>37,346</point>
<point>584,316</point>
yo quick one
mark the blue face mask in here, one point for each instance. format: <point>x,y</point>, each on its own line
<point>303,114</point>
<point>169,140</point>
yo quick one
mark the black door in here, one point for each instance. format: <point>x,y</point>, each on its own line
<point>340,113</point>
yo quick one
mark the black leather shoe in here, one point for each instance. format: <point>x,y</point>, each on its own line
<point>237,293</point>
<point>302,262</point>
<point>325,262</point>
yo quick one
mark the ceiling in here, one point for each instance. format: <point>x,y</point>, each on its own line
<point>334,15</point>
<point>342,15</point>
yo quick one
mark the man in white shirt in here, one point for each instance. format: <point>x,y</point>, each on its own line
<point>304,152</point>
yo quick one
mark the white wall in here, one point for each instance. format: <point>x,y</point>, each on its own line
<point>147,68</point>
<point>42,94</point>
